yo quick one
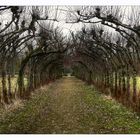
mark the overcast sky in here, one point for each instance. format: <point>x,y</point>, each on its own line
<point>61,13</point>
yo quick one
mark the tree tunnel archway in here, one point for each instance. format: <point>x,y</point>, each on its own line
<point>106,53</point>
<point>43,61</point>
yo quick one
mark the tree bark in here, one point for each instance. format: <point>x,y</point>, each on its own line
<point>134,87</point>
<point>116,85</point>
<point>4,88</point>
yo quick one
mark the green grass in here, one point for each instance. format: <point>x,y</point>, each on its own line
<point>70,106</point>
<point>25,118</point>
<point>111,117</point>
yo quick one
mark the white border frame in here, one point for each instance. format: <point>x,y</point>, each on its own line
<point>69,2</point>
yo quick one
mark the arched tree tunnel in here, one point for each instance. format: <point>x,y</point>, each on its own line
<point>104,52</point>
<point>79,66</point>
<point>107,60</point>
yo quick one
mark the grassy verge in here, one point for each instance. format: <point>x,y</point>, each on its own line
<point>25,117</point>
<point>108,115</point>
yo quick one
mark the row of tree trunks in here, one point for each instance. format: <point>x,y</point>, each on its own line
<point>122,85</point>
<point>7,94</point>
